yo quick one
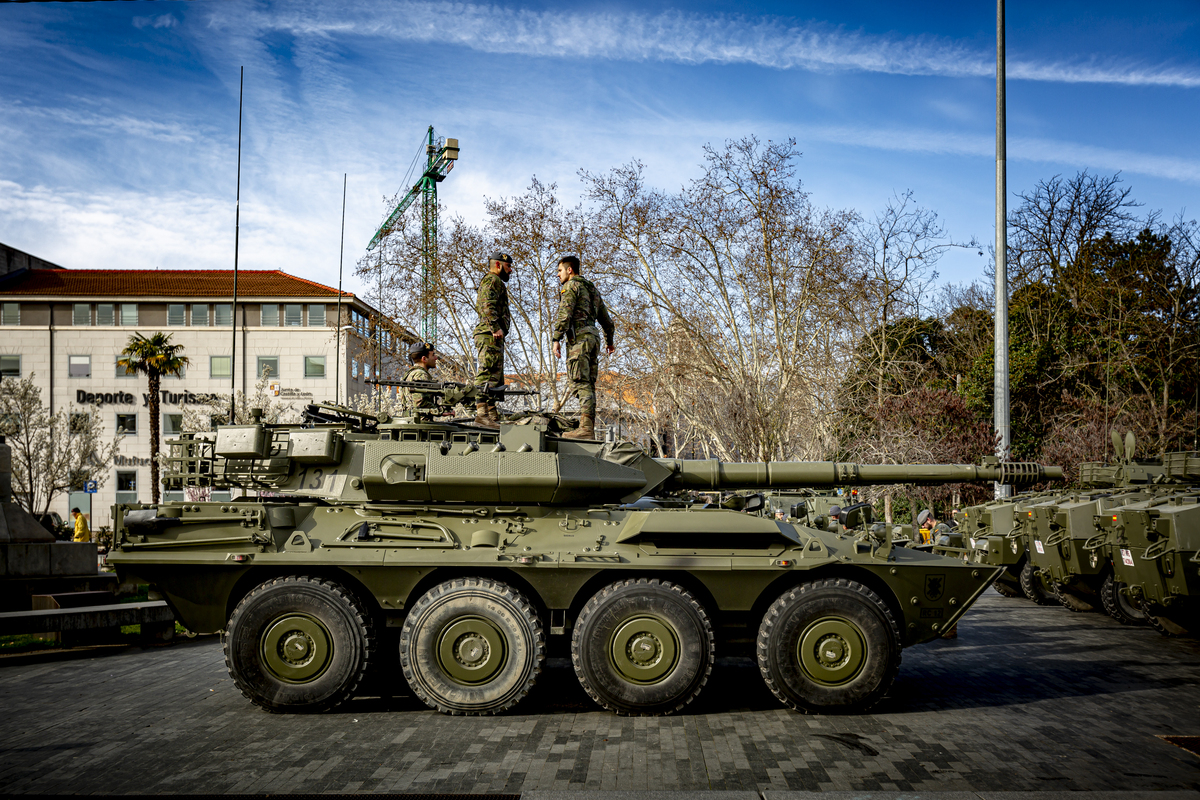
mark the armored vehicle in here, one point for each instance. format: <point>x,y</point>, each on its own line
<point>994,533</point>
<point>460,549</point>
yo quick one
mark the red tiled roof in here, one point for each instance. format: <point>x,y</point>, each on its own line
<point>161,283</point>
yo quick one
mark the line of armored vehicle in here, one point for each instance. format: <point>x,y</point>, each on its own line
<point>1126,543</point>
<point>458,556</point>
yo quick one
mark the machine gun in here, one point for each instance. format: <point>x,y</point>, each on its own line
<point>448,394</point>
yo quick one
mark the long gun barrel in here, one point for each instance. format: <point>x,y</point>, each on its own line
<point>714,475</point>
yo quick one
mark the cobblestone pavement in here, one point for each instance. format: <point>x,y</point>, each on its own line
<point>1026,699</point>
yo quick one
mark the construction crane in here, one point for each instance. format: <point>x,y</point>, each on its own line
<point>440,156</point>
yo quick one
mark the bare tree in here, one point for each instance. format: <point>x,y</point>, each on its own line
<point>723,291</point>
<point>51,453</point>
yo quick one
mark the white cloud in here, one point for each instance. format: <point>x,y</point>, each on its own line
<point>160,21</point>
<point>678,37</point>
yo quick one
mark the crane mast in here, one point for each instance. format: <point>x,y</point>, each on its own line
<point>440,156</point>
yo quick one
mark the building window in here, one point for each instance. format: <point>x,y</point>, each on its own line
<point>172,424</point>
<point>78,423</point>
<point>126,487</point>
<point>118,370</point>
<point>354,368</point>
<point>81,314</point>
<point>220,366</point>
<point>10,366</point>
<point>182,374</point>
<point>222,315</point>
<point>129,314</point>
<point>79,366</point>
<point>316,316</point>
<point>293,316</point>
<point>270,316</point>
<point>11,314</point>
<point>268,366</point>
<point>220,496</point>
<point>127,424</point>
<point>104,314</point>
<point>314,366</point>
<point>199,314</point>
<point>177,314</point>
<point>173,496</point>
<point>366,371</point>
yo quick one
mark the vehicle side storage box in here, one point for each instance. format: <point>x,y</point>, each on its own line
<point>243,441</point>
<point>315,447</point>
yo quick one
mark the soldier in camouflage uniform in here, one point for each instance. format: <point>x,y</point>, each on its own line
<point>424,358</point>
<point>494,321</point>
<point>580,307</point>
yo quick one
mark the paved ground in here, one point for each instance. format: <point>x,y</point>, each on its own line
<point>1028,699</point>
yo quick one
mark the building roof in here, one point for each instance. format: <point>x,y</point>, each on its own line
<point>166,283</point>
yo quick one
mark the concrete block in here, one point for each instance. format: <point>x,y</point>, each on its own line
<point>73,558</point>
<point>24,560</point>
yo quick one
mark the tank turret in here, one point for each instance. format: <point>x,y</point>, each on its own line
<point>424,461</point>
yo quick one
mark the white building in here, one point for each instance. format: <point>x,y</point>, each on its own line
<point>68,327</point>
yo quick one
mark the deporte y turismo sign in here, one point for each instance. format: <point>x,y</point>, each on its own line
<point>126,399</point>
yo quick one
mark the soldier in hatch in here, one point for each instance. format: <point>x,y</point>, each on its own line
<point>580,308</point>
<point>424,358</point>
<point>494,320</point>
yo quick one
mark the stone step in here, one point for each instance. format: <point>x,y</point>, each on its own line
<point>155,614</point>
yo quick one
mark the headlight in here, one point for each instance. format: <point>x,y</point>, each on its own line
<point>1013,545</point>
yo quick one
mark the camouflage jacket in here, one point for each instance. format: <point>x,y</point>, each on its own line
<point>414,400</point>
<point>580,306</point>
<point>492,305</point>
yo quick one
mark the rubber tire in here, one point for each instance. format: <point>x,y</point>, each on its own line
<point>602,618</point>
<point>1006,589</point>
<point>351,638</point>
<point>1162,623</point>
<point>507,610</point>
<point>1117,605</point>
<point>1071,600</point>
<point>792,613</point>
<point>1034,587</point>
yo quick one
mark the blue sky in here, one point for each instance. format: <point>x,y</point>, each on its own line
<point>118,121</point>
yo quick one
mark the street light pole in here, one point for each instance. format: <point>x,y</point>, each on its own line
<point>1001,419</point>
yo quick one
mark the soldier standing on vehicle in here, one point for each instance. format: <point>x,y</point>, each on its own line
<point>424,358</point>
<point>494,320</point>
<point>580,308</point>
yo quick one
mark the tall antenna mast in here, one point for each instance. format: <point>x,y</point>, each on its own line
<point>237,228</point>
<point>337,352</point>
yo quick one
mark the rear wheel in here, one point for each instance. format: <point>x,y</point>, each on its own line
<point>1118,605</point>
<point>299,644</point>
<point>643,647</point>
<point>1008,587</point>
<point>472,646</point>
<point>830,645</point>
<point>1167,625</point>
<point>1034,587</point>
<point>1073,600</point>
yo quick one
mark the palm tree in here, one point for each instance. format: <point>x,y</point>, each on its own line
<point>153,357</point>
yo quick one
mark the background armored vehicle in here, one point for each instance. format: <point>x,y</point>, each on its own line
<point>994,533</point>
<point>460,549</point>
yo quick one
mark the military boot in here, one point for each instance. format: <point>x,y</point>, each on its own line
<point>486,416</point>
<point>586,429</point>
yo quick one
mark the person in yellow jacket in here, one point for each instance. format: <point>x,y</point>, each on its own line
<point>82,532</point>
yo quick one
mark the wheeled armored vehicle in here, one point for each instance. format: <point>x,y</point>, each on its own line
<point>451,553</point>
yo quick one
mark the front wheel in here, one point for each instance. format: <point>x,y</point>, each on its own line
<point>1034,587</point>
<point>472,646</point>
<point>830,645</point>
<point>1117,603</point>
<point>298,644</point>
<point>643,647</point>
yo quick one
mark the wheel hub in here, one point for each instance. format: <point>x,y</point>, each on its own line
<point>644,649</point>
<point>296,648</point>
<point>471,650</point>
<point>831,651</point>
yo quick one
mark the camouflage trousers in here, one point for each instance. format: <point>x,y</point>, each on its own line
<point>491,361</point>
<point>583,358</point>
